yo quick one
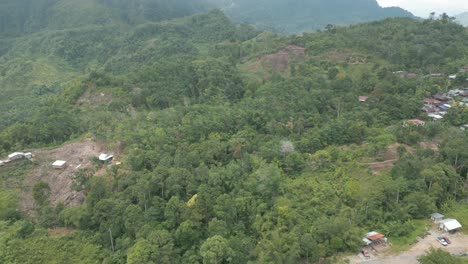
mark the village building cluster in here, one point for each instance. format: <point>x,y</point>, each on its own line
<point>58,164</point>
<point>437,106</point>
<point>446,225</point>
<point>405,74</point>
<point>374,242</point>
<point>16,156</point>
<point>103,157</point>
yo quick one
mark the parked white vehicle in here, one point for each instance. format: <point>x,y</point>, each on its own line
<point>442,241</point>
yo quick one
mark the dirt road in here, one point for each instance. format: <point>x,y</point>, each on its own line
<point>459,246</point>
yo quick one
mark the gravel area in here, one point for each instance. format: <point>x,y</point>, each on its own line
<point>458,246</point>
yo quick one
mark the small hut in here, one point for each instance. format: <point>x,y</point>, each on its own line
<point>363,99</point>
<point>105,157</point>
<point>449,225</point>
<point>436,217</point>
<point>16,156</point>
<point>59,164</point>
<point>373,238</point>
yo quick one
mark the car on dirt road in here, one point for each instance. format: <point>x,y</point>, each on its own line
<point>442,241</point>
<point>447,240</point>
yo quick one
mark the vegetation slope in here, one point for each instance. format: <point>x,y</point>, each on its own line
<point>226,157</point>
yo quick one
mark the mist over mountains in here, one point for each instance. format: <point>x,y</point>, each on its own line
<point>286,16</point>
<point>295,16</point>
<point>462,18</point>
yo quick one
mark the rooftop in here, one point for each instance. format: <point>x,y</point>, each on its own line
<point>15,154</point>
<point>105,157</point>
<point>451,224</point>
<point>59,163</point>
<point>415,122</point>
<point>431,101</point>
<point>363,98</point>
<point>374,236</point>
<point>437,215</point>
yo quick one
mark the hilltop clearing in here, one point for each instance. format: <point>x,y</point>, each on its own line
<point>81,158</point>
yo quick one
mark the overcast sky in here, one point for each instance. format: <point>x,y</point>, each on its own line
<point>422,8</point>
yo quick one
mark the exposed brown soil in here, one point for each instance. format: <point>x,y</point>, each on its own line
<point>60,231</point>
<point>392,151</point>
<point>430,145</point>
<point>78,156</point>
<point>389,157</point>
<point>93,97</point>
<point>349,57</point>
<point>381,166</point>
<point>282,60</point>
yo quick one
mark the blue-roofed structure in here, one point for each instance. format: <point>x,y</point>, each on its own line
<point>443,107</point>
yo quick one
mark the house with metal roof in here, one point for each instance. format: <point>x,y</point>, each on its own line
<point>449,225</point>
<point>16,156</point>
<point>415,122</point>
<point>436,217</point>
<point>59,164</point>
<point>374,238</point>
<point>363,99</point>
<point>105,157</point>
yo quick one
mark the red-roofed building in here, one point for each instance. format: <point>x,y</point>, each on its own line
<point>415,122</point>
<point>432,101</point>
<point>374,239</point>
<point>411,75</point>
<point>362,99</point>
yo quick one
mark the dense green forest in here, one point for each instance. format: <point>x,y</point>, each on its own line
<point>297,16</point>
<point>237,146</point>
<point>27,16</point>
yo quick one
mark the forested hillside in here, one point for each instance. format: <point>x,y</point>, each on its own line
<point>297,16</point>
<point>19,17</point>
<point>231,145</point>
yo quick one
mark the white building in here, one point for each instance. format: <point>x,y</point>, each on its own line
<point>16,156</point>
<point>435,116</point>
<point>449,225</point>
<point>436,217</point>
<point>59,164</point>
<point>105,157</point>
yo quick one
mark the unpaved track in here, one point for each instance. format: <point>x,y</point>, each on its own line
<point>459,246</point>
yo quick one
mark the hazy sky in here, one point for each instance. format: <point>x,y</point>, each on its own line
<point>422,8</point>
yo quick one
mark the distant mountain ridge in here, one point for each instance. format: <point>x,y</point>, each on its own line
<point>295,16</point>
<point>462,19</point>
<point>19,17</point>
